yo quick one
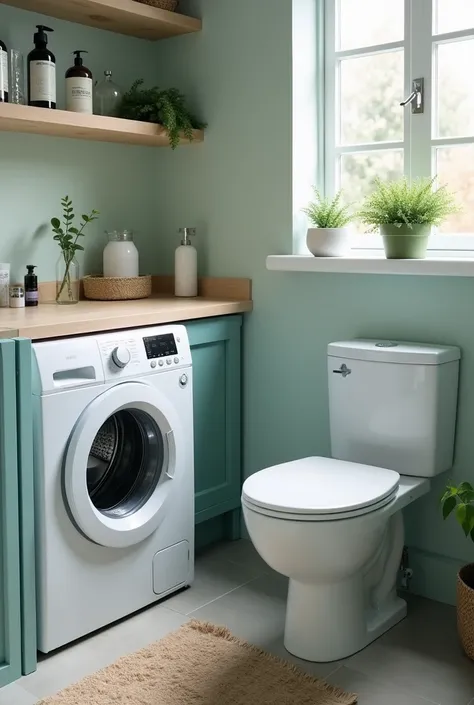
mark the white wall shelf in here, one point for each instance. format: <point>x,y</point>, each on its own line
<point>373,264</point>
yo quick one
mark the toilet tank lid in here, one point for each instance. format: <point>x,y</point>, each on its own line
<point>394,351</point>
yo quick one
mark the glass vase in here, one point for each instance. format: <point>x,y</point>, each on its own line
<point>67,280</point>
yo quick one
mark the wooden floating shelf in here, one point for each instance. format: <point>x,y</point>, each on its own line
<point>61,123</point>
<point>121,16</point>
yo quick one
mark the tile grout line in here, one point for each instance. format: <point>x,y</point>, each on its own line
<point>188,614</point>
<point>392,684</point>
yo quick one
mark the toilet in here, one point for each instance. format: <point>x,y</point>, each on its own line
<point>334,526</point>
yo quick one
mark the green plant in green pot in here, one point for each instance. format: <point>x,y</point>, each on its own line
<point>67,237</point>
<point>460,502</point>
<point>163,107</point>
<point>405,212</point>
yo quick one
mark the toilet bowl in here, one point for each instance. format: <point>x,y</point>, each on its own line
<point>334,526</point>
<point>341,562</point>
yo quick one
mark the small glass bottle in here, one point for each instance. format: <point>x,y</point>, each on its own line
<point>120,255</point>
<point>67,280</point>
<point>107,96</point>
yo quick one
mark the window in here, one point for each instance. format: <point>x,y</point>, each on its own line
<point>374,49</point>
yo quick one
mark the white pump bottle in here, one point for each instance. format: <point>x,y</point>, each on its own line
<point>185,265</point>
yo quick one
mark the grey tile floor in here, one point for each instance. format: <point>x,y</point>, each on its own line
<point>416,663</point>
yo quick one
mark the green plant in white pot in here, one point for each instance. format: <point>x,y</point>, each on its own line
<point>405,213</point>
<point>460,501</point>
<point>329,236</point>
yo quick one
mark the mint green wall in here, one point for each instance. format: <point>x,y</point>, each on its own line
<point>37,171</point>
<point>237,188</point>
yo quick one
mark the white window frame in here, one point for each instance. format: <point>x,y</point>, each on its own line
<point>418,143</point>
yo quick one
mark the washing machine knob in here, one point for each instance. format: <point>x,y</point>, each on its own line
<point>121,356</point>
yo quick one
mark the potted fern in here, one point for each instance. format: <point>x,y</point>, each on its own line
<point>329,236</point>
<point>460,501</point>
<point>164,107</point>
<point>405,213</point>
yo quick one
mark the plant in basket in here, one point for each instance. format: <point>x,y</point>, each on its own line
<point>460,502</point>
<point>170,5</point>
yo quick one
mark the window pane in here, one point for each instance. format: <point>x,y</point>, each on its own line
<point>368,22</point>
<point>452,15</point>
<point>455,167</point>
<point>358,171</point>
<point>455,89</point>
<point>371,90</point>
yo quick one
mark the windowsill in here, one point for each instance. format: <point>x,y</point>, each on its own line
<point>455,265</point>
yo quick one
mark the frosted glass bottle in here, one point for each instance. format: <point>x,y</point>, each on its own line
<point>185,266</point>
<point>120,255</point>
<point>107,96</point>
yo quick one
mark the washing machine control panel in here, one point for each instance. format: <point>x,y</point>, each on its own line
<point>133,352</point>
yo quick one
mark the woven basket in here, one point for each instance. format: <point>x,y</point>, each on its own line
<point>170,5</point>
<point>116,288</point>
<point>465,605</point>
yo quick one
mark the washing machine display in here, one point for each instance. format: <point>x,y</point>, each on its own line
<point>160,345</point>
<point>114,469</point>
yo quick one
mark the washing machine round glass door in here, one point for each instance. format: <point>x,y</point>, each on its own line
<point>122,462</point>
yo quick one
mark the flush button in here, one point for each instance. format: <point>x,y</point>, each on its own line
<point>168,361</point>
<point>386,345</point>
<point>153,364</point>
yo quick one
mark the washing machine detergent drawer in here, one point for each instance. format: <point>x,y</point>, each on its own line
<point>171,568</point>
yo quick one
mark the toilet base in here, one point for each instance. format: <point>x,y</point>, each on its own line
<point>326,623</point>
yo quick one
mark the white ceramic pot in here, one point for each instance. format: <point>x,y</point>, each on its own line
<point>329,242</point>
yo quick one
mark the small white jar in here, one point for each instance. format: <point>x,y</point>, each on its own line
<point>120,255</point>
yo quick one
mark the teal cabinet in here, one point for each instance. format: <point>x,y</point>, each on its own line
<point>216,352</point>
<point>10,604</point>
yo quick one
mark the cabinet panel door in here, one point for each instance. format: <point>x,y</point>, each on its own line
<point>10,621</point>
<point>215,347</point>
<point>26,503</point>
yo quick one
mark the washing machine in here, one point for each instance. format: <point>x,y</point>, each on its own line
<point>114,477</point>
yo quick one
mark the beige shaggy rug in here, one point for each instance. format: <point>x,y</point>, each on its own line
<point>201,664</point>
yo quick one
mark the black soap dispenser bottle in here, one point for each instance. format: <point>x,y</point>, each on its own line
<point>79,86</point>
<point>41,71</point>
<point>31,286</point>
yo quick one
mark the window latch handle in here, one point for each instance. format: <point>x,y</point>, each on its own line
<point>416,97</point>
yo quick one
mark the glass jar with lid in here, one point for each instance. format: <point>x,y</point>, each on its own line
<point>120,255</point>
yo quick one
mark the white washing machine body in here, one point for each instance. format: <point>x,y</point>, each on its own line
<point>114,473</point>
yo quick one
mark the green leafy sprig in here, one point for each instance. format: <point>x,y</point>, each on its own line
<point>67,235</point>
<point>163,107</point>
<point>460,500</point>
<point>408,203</point>
<point>328,212</point>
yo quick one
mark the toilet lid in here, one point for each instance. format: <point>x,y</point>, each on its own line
<point>319,486</point>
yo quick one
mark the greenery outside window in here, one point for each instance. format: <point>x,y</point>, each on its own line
<point>373,51</point>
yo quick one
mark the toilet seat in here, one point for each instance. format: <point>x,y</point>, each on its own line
<point>319,489</point>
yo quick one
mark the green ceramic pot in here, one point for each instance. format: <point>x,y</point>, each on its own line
<point>404,242</point>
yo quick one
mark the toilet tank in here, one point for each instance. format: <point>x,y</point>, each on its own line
<point>393,404</point>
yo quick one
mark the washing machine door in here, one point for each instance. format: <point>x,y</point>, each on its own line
<point>122,462</point>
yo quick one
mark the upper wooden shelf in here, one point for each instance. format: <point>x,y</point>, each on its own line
<point>61,123</point>
<point>121,16</point>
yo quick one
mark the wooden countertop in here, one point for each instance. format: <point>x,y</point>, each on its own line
<point>52,321</point>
